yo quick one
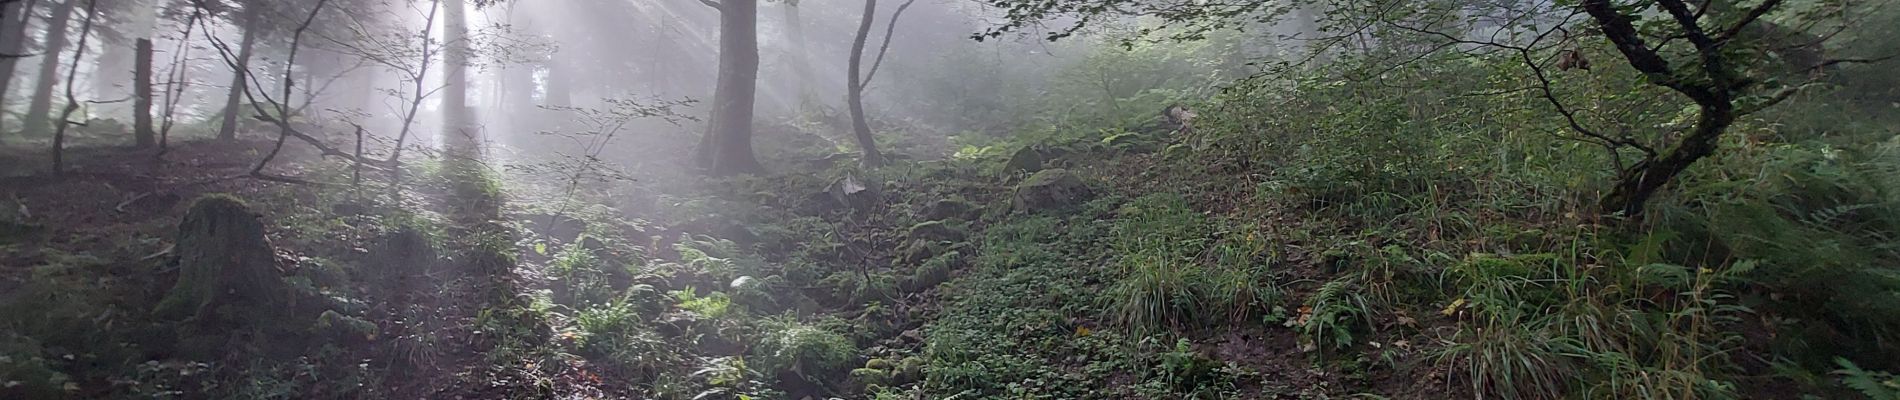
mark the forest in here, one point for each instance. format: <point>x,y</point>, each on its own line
<point>949,199</point>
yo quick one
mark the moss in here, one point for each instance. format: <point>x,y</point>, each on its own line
<point>223,258</point>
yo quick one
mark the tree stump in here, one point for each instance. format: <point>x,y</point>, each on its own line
<point>223,259</point>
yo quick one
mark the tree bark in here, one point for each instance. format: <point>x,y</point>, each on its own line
<point>855,89</point>
<point>13,28</point>
<point>458,132</point>
<point>800,56</point>
<point>227,130</point>
<point>726,149</point>
<point>142,95</point>
<point>40,107</point>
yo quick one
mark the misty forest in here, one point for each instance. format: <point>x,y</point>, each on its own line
<point>949,199</point>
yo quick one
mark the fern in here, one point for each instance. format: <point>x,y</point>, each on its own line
<point>1876,385</point>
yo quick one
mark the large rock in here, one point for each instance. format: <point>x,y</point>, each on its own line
<point>1026,159</point>
<point>224,259</point>
<point>1053,189</point>
<point>946,209</point>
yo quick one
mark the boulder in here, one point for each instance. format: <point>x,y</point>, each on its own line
<point>919,251</point>
<point>224,259</point>
<point>1053,189</point>
<point>951,208</point>
<point>1026,159</point>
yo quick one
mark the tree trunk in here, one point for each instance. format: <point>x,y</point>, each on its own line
<point>1640,182</point>
<point>40,108</point>
<point>142,95</point>
<point>855,89</point>
<point>458,132</point>
<point>235,98</point>
<point>800,57</point>
<point>13,28</point>
<point>726,149</point>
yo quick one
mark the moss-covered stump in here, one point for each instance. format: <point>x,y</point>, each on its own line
<point>223,259</point>
<point>1052,189</point>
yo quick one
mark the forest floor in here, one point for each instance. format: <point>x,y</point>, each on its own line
<point>462,331</point>
<point>1099,273</point>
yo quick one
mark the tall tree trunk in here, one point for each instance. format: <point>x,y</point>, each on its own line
<point>458,132</point>
<point>801,57</point>
<point>142,95</point>
<point>13,29</point>
<point>37,119</point>
<point>726,149</point>
<point>233,100</point>
<point>854,86</point>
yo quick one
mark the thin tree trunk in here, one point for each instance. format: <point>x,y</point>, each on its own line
<point>142,95</point>
<point>855,89</point>
<point>13,28</point>
<point>72,101</point>
<point>234,99</point>
<point>727,147</point>
<point>40,108</point>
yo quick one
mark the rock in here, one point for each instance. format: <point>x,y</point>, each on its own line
<point>919,251</point>
<point>1026,159</point>
<point>951,208</point>
<point>14,224</point>
<point>871,378</point>
<point>935,230</point>
<point>909,370</point>
<point>931,273</point>
<point>346,328</point>
<point>224,259</point>
<point>1053,189</point>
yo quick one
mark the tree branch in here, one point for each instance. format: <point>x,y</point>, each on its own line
<point>889,31</point>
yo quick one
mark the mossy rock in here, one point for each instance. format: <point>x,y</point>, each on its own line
<point>947,209</point>
<point>346,328</point>
<point>919,251</point>
<point>911,369</point>
<point>870,378</point>
<point>1054,189</point>
<point>224,258</point>
<point>879,364</point>
<point>932,273</point>
<point>1026,159</point>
